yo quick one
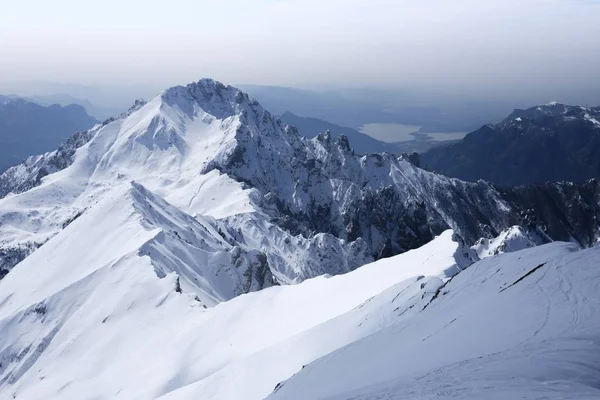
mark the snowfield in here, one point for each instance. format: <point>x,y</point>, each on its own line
<point>197,248</point>
<point>112,329</point>
<point>521,325</point>
<point>416,325</point>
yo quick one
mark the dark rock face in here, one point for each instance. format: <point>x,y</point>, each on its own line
<point>548,143</point>
<point>561,211</point>
<point>10,256</point>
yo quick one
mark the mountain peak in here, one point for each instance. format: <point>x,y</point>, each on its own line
<point>212,96</point>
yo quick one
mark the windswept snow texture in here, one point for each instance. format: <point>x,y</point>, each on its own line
<point>90,324</point>
<point>522,325</point>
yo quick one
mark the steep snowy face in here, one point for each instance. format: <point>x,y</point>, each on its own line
<point>30,173</point>
<point>130,222</point>
<point>320,185</point>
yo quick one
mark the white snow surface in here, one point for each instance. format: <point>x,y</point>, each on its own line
<point>512,239</point>
<point>522,325</point>
<point>592,120</point>
<point>97,324</point>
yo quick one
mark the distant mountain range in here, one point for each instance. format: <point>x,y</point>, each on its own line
<point>360,142</point>
<point>27,128</point>
<point>215,151</point>
<point>552,142</point>
<point>354,107</point>
<point>98,112</point>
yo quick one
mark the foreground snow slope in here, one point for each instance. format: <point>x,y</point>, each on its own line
<point>520,325</point>
<point>98,324</point>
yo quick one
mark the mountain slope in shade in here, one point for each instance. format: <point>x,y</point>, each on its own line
<point>553,142</point>
<point>520,325</point>
<point>27,128</point>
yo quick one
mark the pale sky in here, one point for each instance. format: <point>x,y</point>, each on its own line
<point>472,44</point>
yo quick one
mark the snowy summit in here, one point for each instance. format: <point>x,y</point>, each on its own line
<point>196,247</point>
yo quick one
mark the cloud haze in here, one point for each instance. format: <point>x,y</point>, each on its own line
<point>468,45</point>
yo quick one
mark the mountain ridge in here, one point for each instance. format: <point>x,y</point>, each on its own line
<point>552,142</point>
<point>216,152</point>
<point>27,128</point>
<point>202,238</point>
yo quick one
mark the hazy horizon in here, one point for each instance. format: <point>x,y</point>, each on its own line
<point>498,49</point>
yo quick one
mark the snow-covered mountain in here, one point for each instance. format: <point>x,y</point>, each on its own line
<point>545,143</point>
<point>311,206</point>
<point>151,256</point>
<point>414,325</point>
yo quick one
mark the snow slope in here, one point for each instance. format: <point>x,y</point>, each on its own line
<point>110,328</point>
<point>520,325</point>
<point>513,239</point>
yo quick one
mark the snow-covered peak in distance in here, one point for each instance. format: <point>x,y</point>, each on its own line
<point>211,96</point>
<point>174,146</point>
<point>552,113</point>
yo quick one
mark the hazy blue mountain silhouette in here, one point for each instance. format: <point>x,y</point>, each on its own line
<point>553,142</point>
<point>28,129</point>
